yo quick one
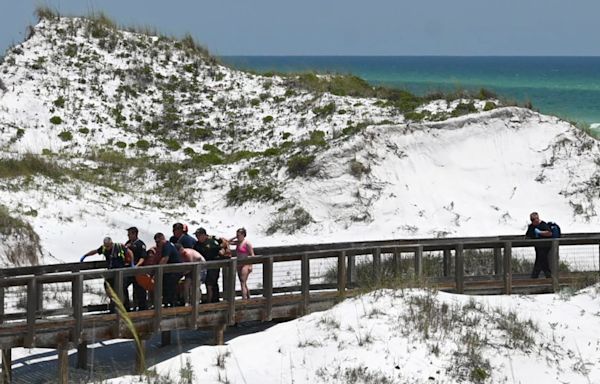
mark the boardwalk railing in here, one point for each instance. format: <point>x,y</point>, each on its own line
<point>59,306</point>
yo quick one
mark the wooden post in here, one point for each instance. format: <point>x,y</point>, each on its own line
<point>39,294</point>
<point>82,355</point>
<point>220,334</point>
<point>165,338</point>
<point>118,288</point>
<point>446,262</point>
<point>377,265</point>
<point>497,261</point>
<point>305,283</point>
<point>195,296</point>
<point>507,268</point>
<point>268,288</point>
<point>231,276</point>
<point>351,279</point>
<point>63,364</point>
<point>459,272</point>
<point>1,305</point>
<point>419,262</point>
<point>6,365</point>
<point>342,274</point>
<point>77,304</point>
<point>397,262</point>
<point>158,297</point>
<point>554,260</point>
<point>31,312</point>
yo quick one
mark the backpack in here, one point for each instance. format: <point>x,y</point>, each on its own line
<point>555,229</point>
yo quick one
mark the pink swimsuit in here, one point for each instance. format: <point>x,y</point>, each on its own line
<point>241,250</point>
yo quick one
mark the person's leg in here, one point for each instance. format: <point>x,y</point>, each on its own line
<point>169,289</point>
<point>244,273</point>
<point>537,264</point>
<point>215,287</point>
<point>211,277</point>
<point>139,297</point>
<point>187,285</point>
<point>126,302</point>
<point>111,304</point>
<point>545,264</point>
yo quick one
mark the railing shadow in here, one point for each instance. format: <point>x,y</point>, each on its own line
<point>110,360</point>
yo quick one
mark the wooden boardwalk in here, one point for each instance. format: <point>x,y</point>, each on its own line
<point>438,263</point>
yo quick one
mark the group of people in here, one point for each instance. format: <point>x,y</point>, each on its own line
<point>179,248</point>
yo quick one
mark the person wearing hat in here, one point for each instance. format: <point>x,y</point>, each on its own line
<point>210,248</point>
<point>117,256</point>
<point>138,248</point>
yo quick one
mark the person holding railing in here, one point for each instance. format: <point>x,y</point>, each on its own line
<point>117,256</point>
<point>169,255</point>
<point>212,248</point>
<point>243,250</point>
<point>189,255</point>
<point>138,248</point>
<point>539,229</point>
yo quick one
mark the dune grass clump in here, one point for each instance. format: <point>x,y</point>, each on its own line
<point>240,194</point>
<point>299,165</point>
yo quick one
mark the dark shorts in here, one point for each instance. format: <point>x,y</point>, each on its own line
<point>212,276</point>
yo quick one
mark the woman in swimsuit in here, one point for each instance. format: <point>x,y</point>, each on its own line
<point>243,250</point>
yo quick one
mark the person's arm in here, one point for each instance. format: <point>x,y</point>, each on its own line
<point>90,253</point>
<point>164,260</point>
<point>233,241</point>
<point>129,254</point>
<point>544,233</point>
<point>250,248</point>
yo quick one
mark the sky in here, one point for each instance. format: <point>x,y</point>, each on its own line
<point>345,27</point>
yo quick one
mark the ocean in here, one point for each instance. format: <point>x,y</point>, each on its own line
<point>568,87</point>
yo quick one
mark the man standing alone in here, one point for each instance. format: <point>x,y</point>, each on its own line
<point>539,229</point>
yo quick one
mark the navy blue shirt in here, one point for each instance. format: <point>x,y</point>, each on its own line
<point>169,250</point>
<point>138,248</point>
<point>186,241</point>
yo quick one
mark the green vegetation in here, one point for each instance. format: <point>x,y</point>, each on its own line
<point>144,145</point>
<point>200,134</point>
<point>25,242</point>
<point>172,145</point>
<point>29,165</point>
<point>253,173</point>
<point>45,13</point>
<point>489,106</point>
<point>357,169</point>
<point>65,136</point>
<point>298,165</point>
<point>417,116</point>
<point>84,130</point>
<point>316,138</point>
<point>240,194</point>
<point>289,219</point>
<point>267,119</point>
<point>56,120</point>
<point>326,110</point>
<point>463,109</point>
<point>59,102</point>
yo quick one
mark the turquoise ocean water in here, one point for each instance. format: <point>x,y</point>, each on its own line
<point>565,86</point>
